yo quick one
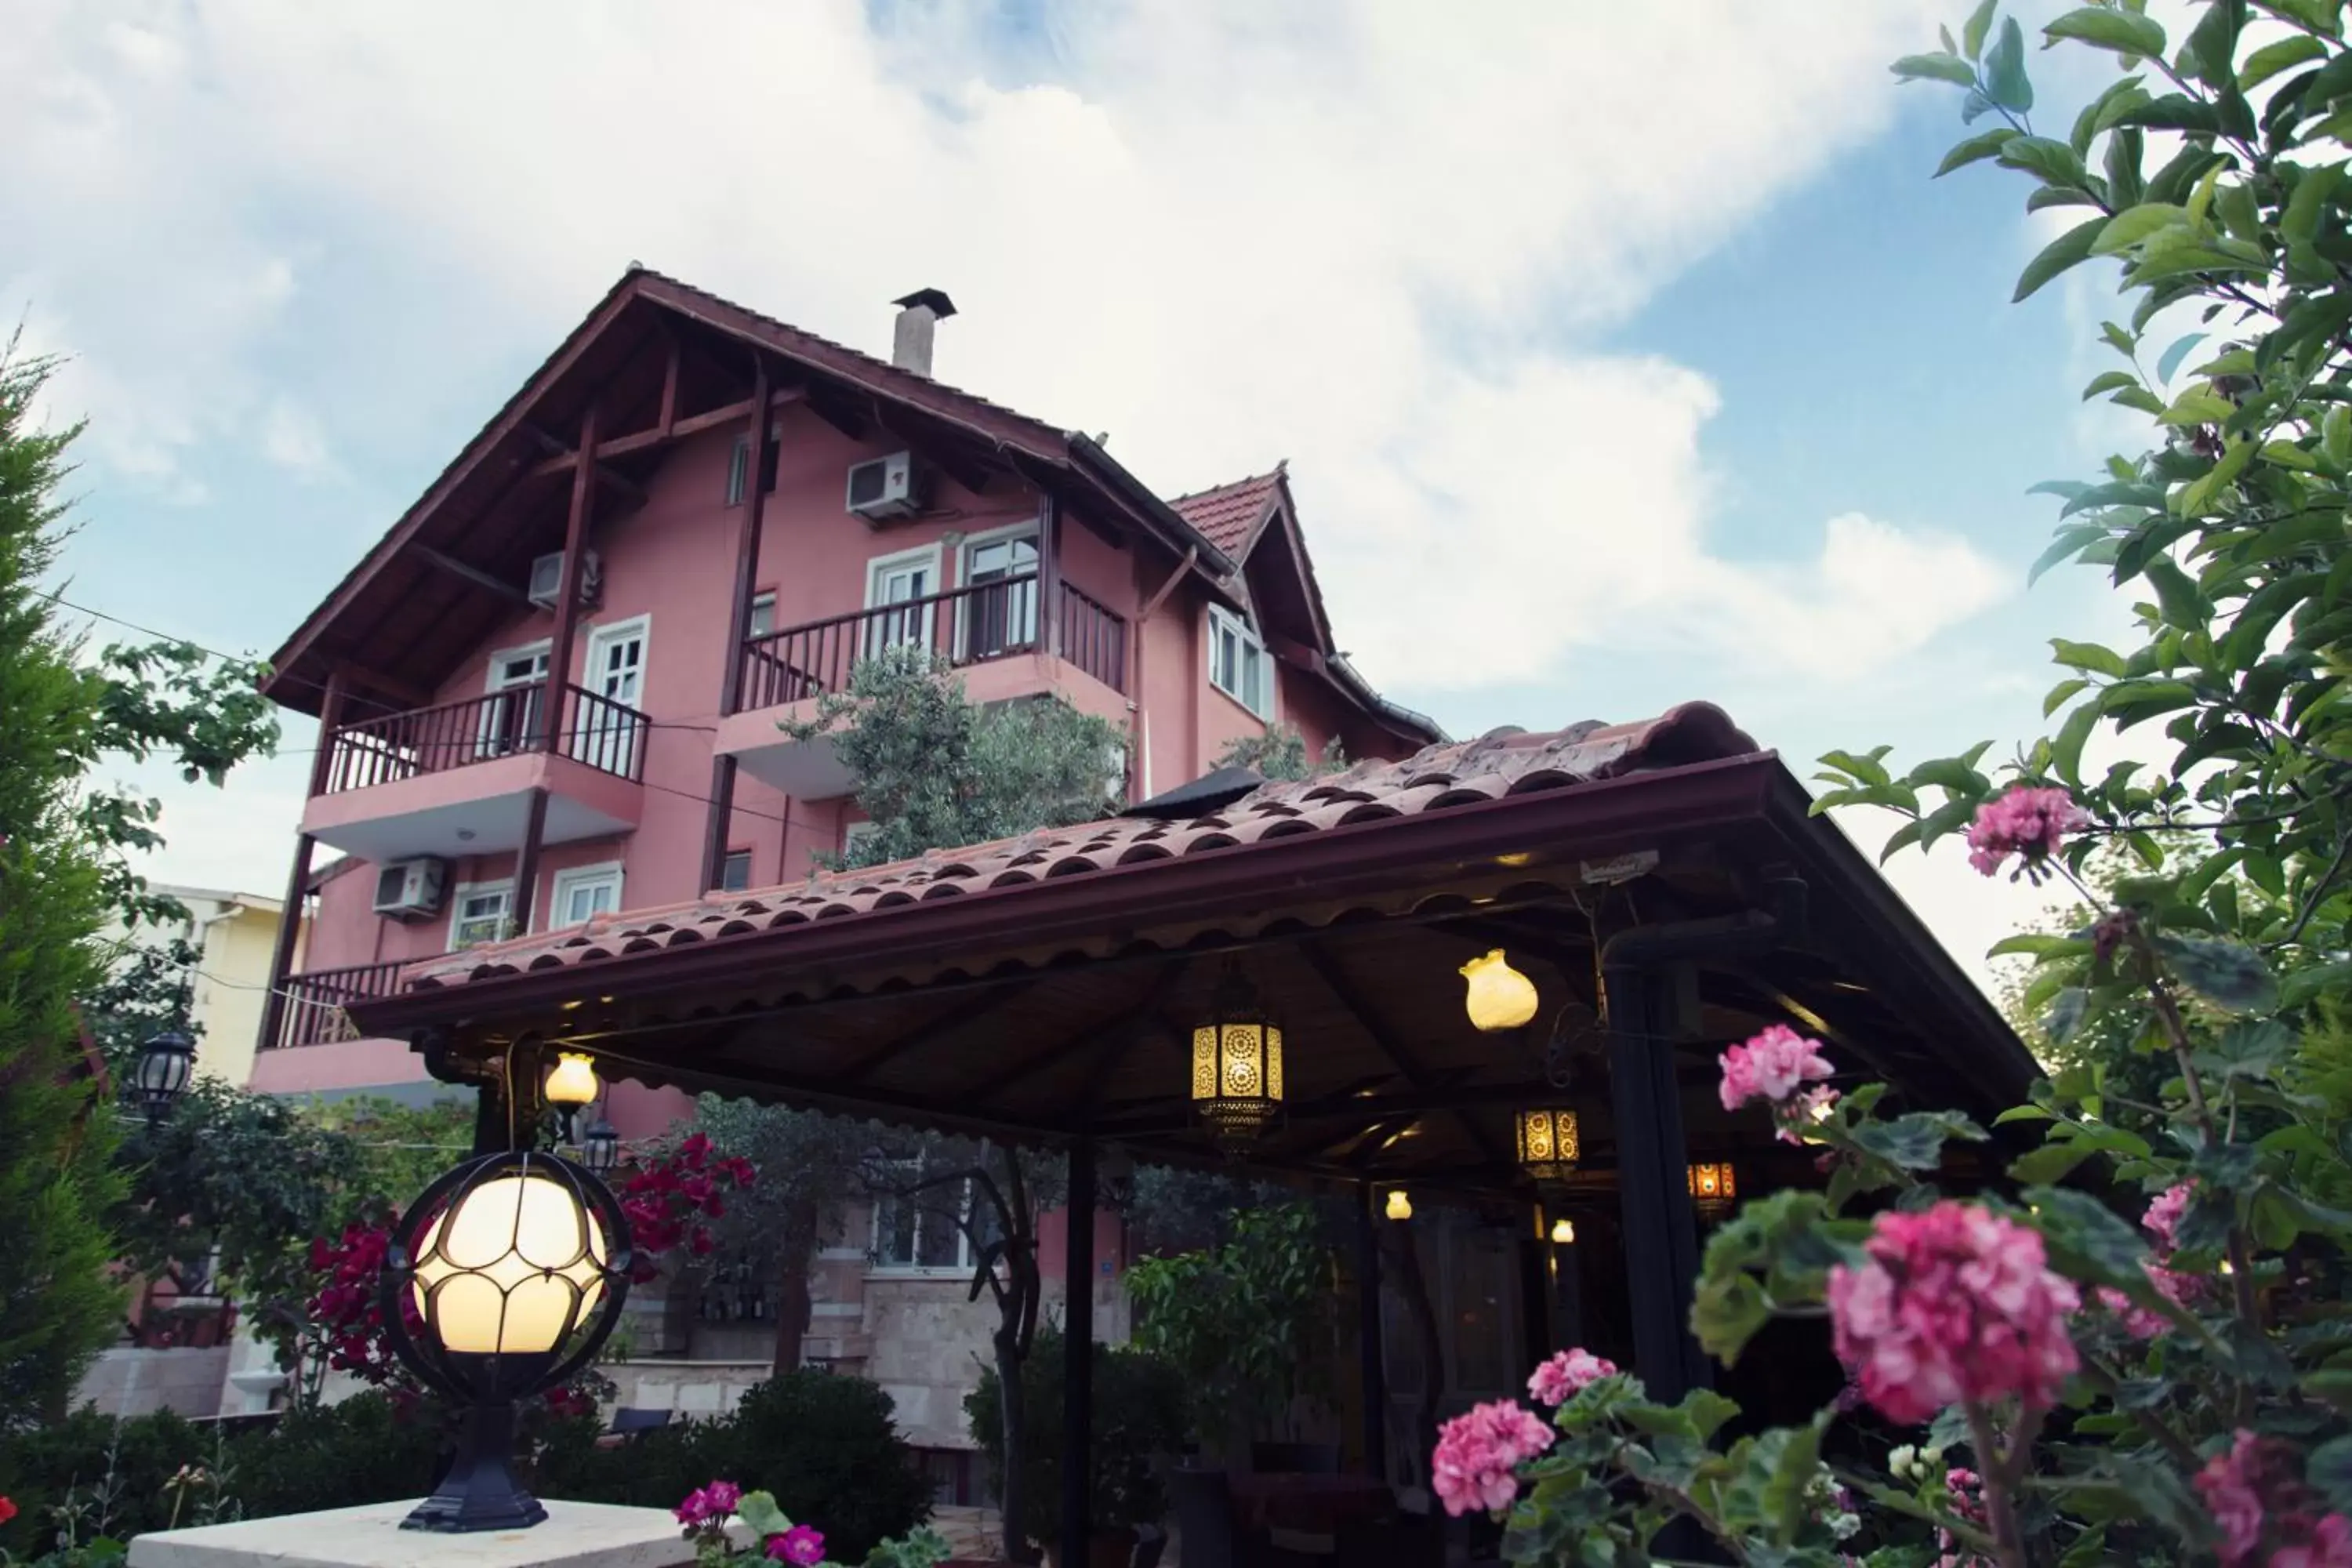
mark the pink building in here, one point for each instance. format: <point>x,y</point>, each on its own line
<point>553,690</point>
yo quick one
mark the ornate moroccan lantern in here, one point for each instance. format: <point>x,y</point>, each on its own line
<point>1547,1142</point>
<point>1714,1186</point>
<point>1500,996</point>
<point>501,1280</point>
<point>1237,1065</point>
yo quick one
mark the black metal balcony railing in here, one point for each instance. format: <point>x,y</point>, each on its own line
<point>605,736</point>
<point>969,626</point>
<point>311,1013</point>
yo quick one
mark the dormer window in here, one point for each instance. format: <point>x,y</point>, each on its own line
<point>1238,665</point>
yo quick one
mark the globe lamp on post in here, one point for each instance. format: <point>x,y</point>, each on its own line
<point>166,1064</point>
<point>503,1279</point>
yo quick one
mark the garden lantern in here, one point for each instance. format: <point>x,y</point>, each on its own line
<point>1399,1204</point>
<point>1547,1142</point>
<point>1712,1185</point>
<point>1563,1233</point>
<point>162,1074</point>
<point>501,1280</point>
<point>1237,1065</point>
<point>600,1151</point>
<point>1500,996</point>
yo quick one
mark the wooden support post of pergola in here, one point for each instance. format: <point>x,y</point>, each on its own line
<point>1078,1348</point>
<point>1373,1365</point>
<point>1653,1158</point>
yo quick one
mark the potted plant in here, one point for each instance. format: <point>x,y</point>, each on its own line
<point>1139,1408</point>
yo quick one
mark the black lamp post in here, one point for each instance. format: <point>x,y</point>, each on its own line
<point>502,1280</point>
<point>162,1074</point>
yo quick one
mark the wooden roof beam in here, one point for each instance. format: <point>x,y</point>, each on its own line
<point>474,574</point>
<point>1386,1040</point>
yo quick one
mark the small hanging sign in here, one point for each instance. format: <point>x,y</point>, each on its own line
<point>1621,867</point>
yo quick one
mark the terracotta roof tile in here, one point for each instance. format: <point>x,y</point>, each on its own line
<point>1227,515</point>
<point>1436,778</point>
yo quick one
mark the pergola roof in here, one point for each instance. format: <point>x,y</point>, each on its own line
<point>1044,987</point>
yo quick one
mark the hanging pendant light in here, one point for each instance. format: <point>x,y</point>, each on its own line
<point>1500,998</point>
<point>1563,1233</point>
<point>1237,1065</point>
<point>1399,1204</point>
<point>1547,1142</point>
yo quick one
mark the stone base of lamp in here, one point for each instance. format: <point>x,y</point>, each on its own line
<point>574,1535</point>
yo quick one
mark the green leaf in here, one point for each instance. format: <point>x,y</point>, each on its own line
<point>2169,361</point>
<point>2198,406</point>
<point>2198,497</point>
<point>2039,945</point>
<point>1936,68</point>
<point>2233,976</point>
<point>2064,1017</point>
<point>2088,655</point>
<point>2053,1162</point>
<point>2272,58</point>
<point>2062,693</point>
<point>2066,747</point>
<point>1976,148</point>
<point>758,1511</point>
<point>2319,979</point>
<point>2004,69</point>
<point>1973,31</point>
<point>2087,1240</point>
<point>2117,30</point>
<point>2127,228</point>
<point>2108,381</point>
<point>2299,224</point>
<point>2054,161</point>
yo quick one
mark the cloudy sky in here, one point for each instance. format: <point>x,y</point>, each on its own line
<point>1622,354</point>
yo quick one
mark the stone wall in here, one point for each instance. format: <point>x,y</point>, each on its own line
<point>130,1382</point>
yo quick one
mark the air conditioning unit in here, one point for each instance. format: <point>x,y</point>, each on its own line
<point>547,580</point>
<point>885,488</point>
<point>410,890</point>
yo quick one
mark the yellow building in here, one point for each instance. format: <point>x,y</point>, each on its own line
<point>235,934</point>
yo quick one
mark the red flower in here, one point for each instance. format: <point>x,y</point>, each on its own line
<point>7,1510</point>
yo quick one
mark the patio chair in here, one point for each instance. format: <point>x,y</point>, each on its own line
<point>629,1421</point>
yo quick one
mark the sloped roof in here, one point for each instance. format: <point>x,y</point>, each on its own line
<point>1229,514</point>
<point>1438,778</point>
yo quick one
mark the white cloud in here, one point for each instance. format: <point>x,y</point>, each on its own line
<point>291,438</point>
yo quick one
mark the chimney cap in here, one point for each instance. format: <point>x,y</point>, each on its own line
<point>935,299</point>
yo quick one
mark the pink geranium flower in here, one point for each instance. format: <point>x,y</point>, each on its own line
<point>798,1544</point>
<point>1561,1378</point>
<point>1477,1452</point>
<point>2162,1220</point>
<point>2254,1486</point>
<point>1771,1066</point>
<point>1956,1304</point>
<point>2026,822</point>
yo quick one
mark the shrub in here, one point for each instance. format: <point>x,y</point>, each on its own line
<point>39,1467</point>
<point>825,1445</point>
<point>365,1449</point>
<point>1138,1418</point>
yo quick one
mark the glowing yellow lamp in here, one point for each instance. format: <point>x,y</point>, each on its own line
<point>1400,1205</point>
<point>574,1083</point>
<point>1500,996</point>
<point>1712,1184</point>
<point>1237,1066</point>
<point>513,1269</point>
<point>1563,1233</point>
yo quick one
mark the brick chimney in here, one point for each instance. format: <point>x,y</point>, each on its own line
<point>919,314</point>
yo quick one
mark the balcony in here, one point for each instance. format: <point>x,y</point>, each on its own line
<point>340,1058</point>
<point>990,631</point>
<point>457,779</point>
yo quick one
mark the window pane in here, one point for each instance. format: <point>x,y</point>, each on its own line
<point>939,1239</point>
<point>735,464</point>
<point>735,875</point>
<point>893,1233</point>
<point>764,615</point>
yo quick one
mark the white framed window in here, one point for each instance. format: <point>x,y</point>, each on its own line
<point>479,912</point>
<point>512,723</point>
<point>582,893</point>
<point>740,458</point>
<point>1238,665</point>
<point>922,1233</point>
<point>901,579</point>
<point>1001,615</point>
<point>764,615</point>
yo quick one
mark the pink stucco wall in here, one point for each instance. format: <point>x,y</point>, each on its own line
<point>671,561</point>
